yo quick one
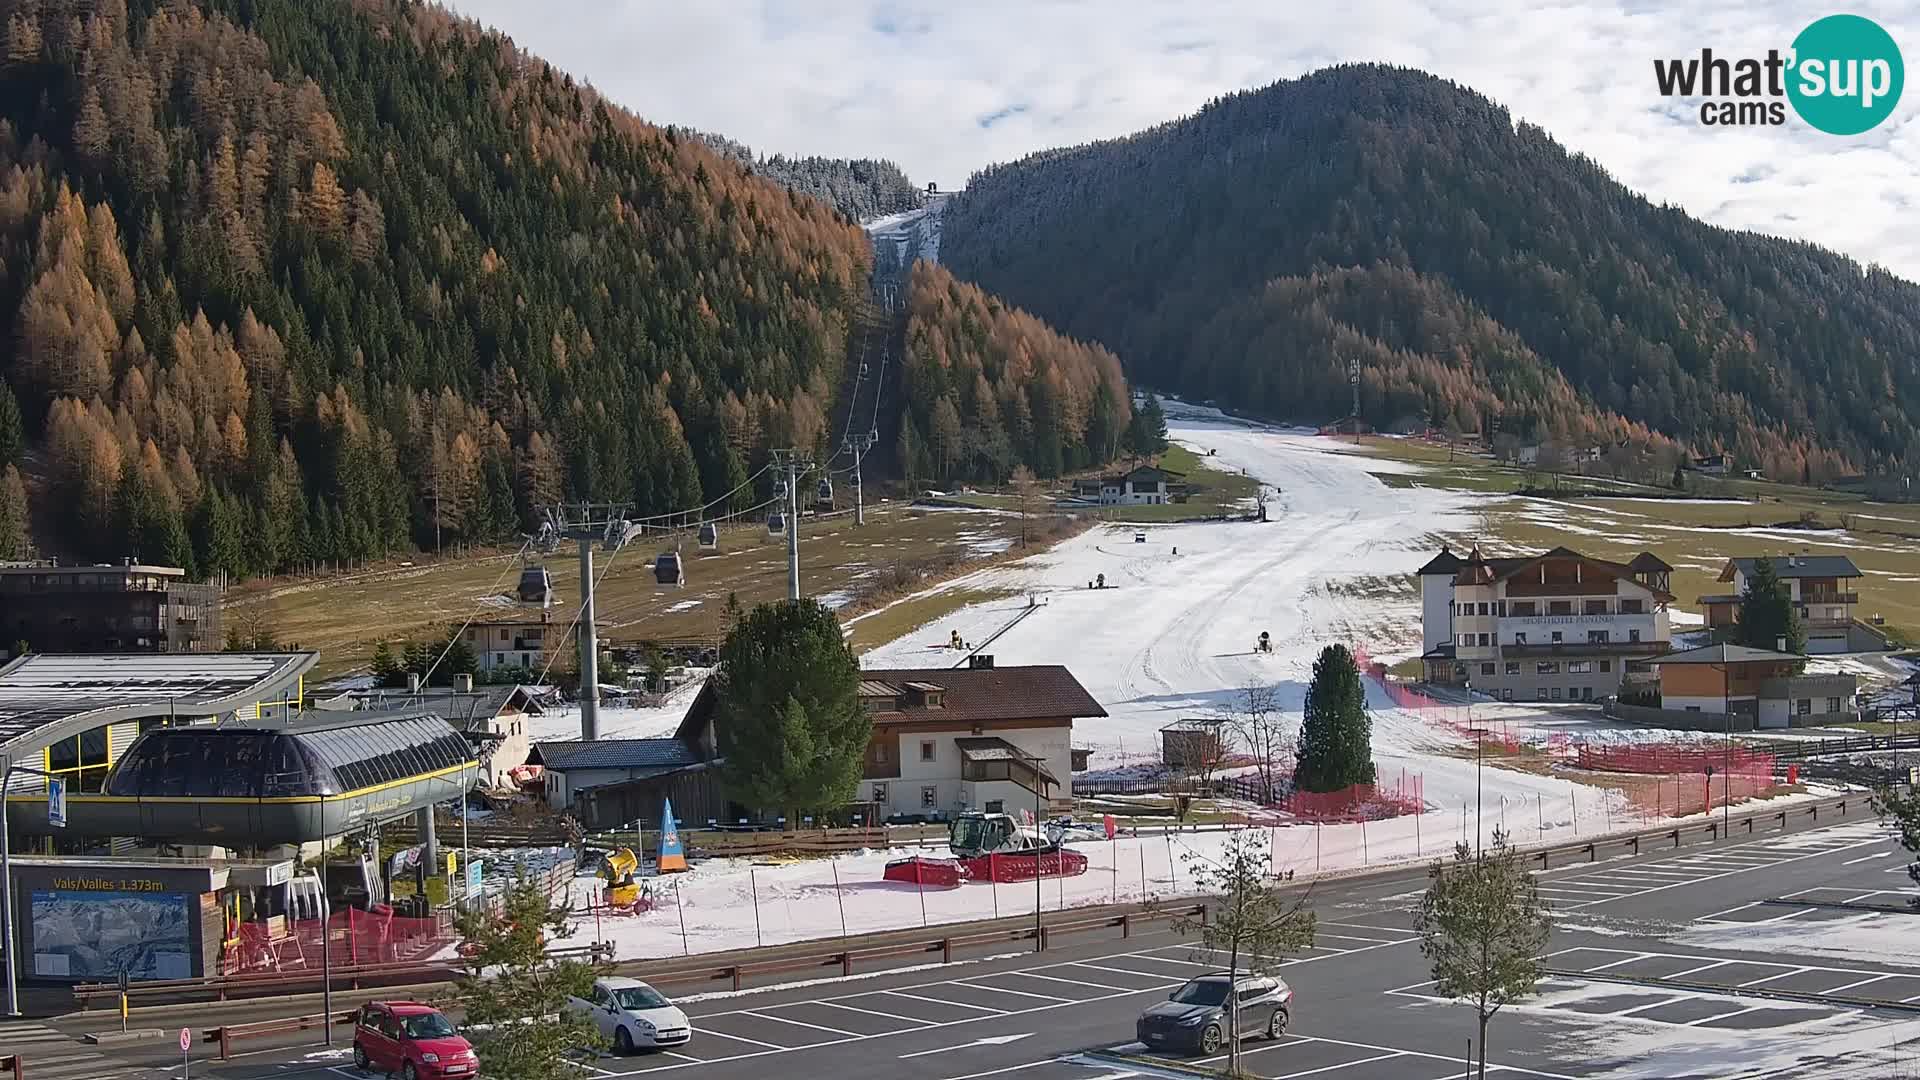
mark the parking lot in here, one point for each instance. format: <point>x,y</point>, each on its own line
<point>997,999</point>
<point>1585,886</point>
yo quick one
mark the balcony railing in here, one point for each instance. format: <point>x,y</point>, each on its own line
<point>1829,598</point>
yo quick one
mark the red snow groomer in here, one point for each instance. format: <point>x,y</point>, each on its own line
<point>991,847</point>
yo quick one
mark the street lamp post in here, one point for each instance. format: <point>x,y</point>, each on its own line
<point>1038,833</point>
<point>1477,742</point>
<point>7,935</point>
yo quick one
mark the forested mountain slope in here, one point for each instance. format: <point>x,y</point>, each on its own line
<point>861,188</point>
<point>285,280</point>
<point>990,387</point>
<point>1476,271</point>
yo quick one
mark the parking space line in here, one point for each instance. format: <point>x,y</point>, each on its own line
<point>1723,1016</point>
<point>1857,982</point>
<point>1342,1065</point>
<point>1644,1008</point>
<point>1318,933</point>
<point>944,1001</point>
<point>1002,1071</point>
<point>1003,990</point>
<point>1125,971</point>
<point>1862,896</point>
<point>1703,967</point>
<point>799,1023</point>
<point>1170,960</point>
<point>1074,982</point>
<point>1867,858</point>
<point>1730,872</point>
<point>682,1057</point>
<point>1362,926</point>
<point>1246,1051</point>
<point>869,1012</point>
<point>1770,978</point>
<point>741,1038</point>
<point>1715,916</point>
<point>1617,963</point>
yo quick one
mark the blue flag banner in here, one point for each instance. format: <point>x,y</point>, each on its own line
<point>673,854</point>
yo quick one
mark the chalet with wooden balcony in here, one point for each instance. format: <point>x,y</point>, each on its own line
<point>1559,626</point>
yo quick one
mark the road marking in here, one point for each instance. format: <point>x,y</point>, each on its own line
<point>671,1054</point>
<point>1003,1070</point>
<point>800,1023</point>
<point>869,1012</point>
<point>1652,1005</point>
<point>741,1038</point>
<point>1353,937</point>
<point>1616,963</point>
<point>1003,990</point>
<point>1867,858</point>
<point>1723,1016</point>
<point>1858,982</point>
<point>944,1001</point>
<point>1342,1065</point>
<point>1072,982</point>
<point>1703,967</point>
<point>984,1040</point>
<point>1770,978</point>
<point>1124,971</point>
<point>1730,873</point>
<point>1362,926</point>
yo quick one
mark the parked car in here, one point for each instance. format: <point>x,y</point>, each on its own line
<point>1194,1017</point>
<point>632,1015</point>
<point>414,1040</point>
<point>1139,536</point>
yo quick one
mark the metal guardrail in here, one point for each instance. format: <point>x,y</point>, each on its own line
<point>845,958</point>
<point>12,1065</point>
<point>348,977</point>
<point>1712,829</point>
<point>1802,749</point>
<point>226,1035</point>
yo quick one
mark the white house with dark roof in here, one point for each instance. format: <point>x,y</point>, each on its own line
<point>1823,594</point>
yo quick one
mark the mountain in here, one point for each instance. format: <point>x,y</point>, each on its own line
<point>1477,273</point>
<point>861,188</point>
<point>290,281</point>
<point>990,387</point>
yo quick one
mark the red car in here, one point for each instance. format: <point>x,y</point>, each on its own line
<point>417,1041</point>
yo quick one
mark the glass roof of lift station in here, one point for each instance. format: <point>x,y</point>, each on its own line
<point>331,757</point>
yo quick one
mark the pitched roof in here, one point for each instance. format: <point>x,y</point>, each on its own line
<point>614,754</point>
<point>1444,563</point>
<point>459,707</point>
<point>993,748</point>
<point>1501,568</point>
<point>1648,563</point>
<point>1032,692</point>
<point>1027,692</point>
<point>1802,566</point>
<point>1723,654</point>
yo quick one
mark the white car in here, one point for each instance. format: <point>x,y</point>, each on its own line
<point>633,1016</point>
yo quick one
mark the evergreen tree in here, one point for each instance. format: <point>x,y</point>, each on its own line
<point>1147,434</point>
<point>1336,748</point>
<point>385,669</point>
<point>788,717</point>
<point>13,433</point>
<point>13,514</point>
<point>1767,614</point>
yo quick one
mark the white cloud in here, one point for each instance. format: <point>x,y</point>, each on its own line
<point>946,87</point>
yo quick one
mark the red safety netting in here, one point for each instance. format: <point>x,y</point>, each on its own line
<point>358,937</point>
<point>1369,802</point>
<point>1456,717</point>
<point>1668,757</point>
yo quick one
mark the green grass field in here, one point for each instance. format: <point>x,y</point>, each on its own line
<point>343,616</point>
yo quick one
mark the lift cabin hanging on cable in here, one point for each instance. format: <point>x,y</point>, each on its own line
<point>667,569</point>
<point>709,536</point>
<point>823,495</point>
<point>776,524</point>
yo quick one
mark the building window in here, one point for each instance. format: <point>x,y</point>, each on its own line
<point>1513,667</point>
<point>1833,704</point>
<point>1483,640</point>
<point>1803,706</point>
<point>1596,607</point>
<point>929,797</point>
<point>1579,667</point>
<point>926,749</point>
<point>879,793</point>
<point>880,753</point>
<point>1546,667</point>
<point>1486,669</point>
<point>1483,609</point>
<point>1555,692</point>
<point>1598,637</point>
<point>503,634</point>
<point>1506,694</point>
<point>1466,640</point>
<point>996,806</point>
<point>1556,637</point>
<point>1633,635</point>
<point>1560,607</point>
<point>1606,666</point>
<point>1693,708</point>
<point>1525,608</point>
<point>1633,607</point>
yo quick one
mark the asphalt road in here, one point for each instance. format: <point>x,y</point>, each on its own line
<point>1363,1008</point>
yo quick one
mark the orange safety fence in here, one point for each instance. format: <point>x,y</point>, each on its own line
<point>357,937</point>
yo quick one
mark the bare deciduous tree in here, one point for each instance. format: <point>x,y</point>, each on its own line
<point>1255,718</point>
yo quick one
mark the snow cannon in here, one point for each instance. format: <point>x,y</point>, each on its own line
<point>622,890</point>
<point>924,872</point>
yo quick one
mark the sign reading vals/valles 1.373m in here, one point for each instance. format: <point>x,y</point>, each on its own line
<point>1843,75</point>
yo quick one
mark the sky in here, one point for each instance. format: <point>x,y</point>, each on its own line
<point>945,88</point>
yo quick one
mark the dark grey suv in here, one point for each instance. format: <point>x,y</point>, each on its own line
<point>1194,1017</point>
